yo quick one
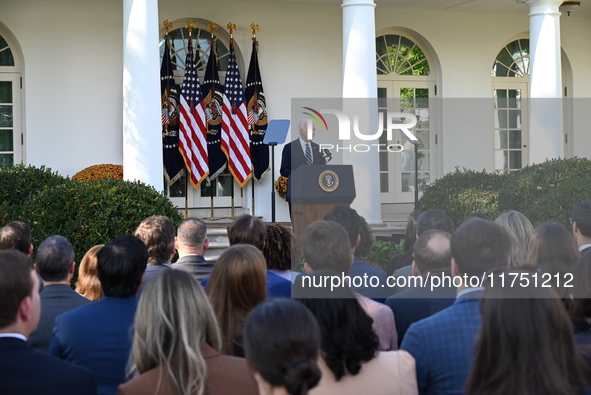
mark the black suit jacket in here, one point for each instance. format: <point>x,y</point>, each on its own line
<point>293,157</point>
<point>196,265</point>
<point>28,372</point>
<point>55,300</point>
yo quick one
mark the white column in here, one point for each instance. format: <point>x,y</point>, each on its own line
<point>360,83</point>
<point>546,139</point>
<point>142,135</point>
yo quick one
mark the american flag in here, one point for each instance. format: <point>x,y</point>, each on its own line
<point>192,131</point>
<point>235,136</point>
<point>165,120</point>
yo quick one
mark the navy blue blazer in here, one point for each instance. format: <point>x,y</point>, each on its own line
<point>55,300</point>
<point>293,157</point>
<point>97,336</point>
<point>361,269</point>
<point>28,372</point>
<point>443,346</point>
<point>151,272</point>
<point>415,304</point>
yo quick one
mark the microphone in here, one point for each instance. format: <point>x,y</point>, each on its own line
<point>327,155</point>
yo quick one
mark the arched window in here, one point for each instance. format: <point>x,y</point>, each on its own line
<point>406,83</point>
<point>11,134</point>
<point>513,60</point>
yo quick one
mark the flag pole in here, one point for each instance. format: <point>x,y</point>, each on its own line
<point>212,27</point>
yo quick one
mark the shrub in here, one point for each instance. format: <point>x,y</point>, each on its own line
<point>463,192</point>
<point>548,191</point>
<point>383,250</point>
<point>85,212</point>
<point>543,192</point>
<point>17,183</point>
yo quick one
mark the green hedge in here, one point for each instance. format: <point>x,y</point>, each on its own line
<point>85,212</point>
<point>544,192</point>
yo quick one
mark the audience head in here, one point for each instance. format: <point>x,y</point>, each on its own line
<point>55,259</point>
<point>475,215</point>
<point>520,230</point>
<point>581,220</point>
<point>247,229</point>
<point>88,284</point>
<point>525,345</point>
<point>282,343</point>
<point>277,250</point>
<point>121,265</point>
<point>20,307</point>
<point>236,286</point>
<point>348,339</point>
<point>432,252</point>
<point>410,232</point>
<point>192,237</point>
<point>553,248</point>
<point>434,220</point>
<point>157,232</point>
<point>478,246</point>
<point>173,319</point>
<point>349,220</point>
<point>366,240</point>
<point>16,235</point>
<point>325,245</point>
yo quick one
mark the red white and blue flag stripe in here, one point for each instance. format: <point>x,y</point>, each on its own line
<point>235,135</point>
<point>192,129</point>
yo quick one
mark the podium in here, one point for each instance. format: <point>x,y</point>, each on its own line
<point>316,190</point>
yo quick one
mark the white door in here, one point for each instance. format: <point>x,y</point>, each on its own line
<point>510,124</point>
<point>397,169</point>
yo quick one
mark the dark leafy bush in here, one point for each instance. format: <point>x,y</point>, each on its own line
<point>543,192</point>
<point>18,182</point>
<point>85,212</point>
<point>548,191</point>
<point>382,251</point>
<point>463,192</point>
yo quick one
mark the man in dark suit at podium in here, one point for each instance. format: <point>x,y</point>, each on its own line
<point>301,151</point>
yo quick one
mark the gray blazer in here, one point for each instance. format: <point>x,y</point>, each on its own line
<point>55,300</point>
<point>194,264</point>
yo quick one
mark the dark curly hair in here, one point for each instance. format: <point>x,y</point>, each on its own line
<point>348,338</point>
<point>278,247</point>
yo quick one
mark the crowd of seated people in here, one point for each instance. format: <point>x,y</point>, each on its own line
<point>278,316</point>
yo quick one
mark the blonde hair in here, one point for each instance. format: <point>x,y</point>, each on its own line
<point>173,319</point>
<point>88,284</point>
<point>520,230</point>
<point>237,285</point>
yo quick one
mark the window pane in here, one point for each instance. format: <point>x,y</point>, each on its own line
<point>5,116</point>
<point>5,92</point>
<point>380,46</point>
<point>384,182</point>
<point>500,139</point>
<point>423,136</point>
<point>501,119</point>
<point>382,97</point>
<point>501,160</point>
<point>6,140</point>
<point>500,70</point>
<point>514,119</point>
<point>424,160</point>
<point>515,159</point>
<point>514,98</point>
<point>500,98</point>
<point>515,139</point>
<point>6,160</point>
<point>408,161</point>
<point>408,182</point>
<point>422,118</point>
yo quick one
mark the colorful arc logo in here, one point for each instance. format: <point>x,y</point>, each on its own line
<point>316,116</point>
